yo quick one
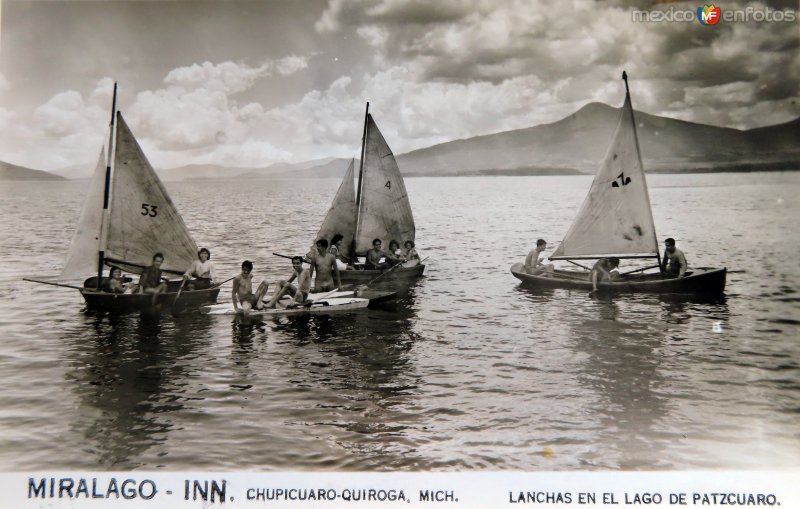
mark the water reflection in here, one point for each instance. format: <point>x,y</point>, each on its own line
<point>623,367</point>
<point>128,373</point>
<point>357,377</point>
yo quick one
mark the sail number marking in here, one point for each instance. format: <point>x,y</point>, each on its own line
<point>149,210</point>
<point>622,179</point>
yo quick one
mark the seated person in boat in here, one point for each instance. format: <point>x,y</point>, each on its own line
<point>411,253</point>
<point>673,264</point>
<point>242,293</point>
<point>374,255</point>
<point>325,264</point>
<point>299,293</point>
<point>202,270</point>
<point>116,283</point>
<point>336,251</point>
<point>534,263</point>
<point>394,256</point>
<point>150,279</point>
<point>602,271</point>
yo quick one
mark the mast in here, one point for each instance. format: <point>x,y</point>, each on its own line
<point>360,180</point>
<point>107,191</point>
<point>639,156</point>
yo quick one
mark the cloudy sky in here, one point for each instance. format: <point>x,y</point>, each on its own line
<point>251,83</point>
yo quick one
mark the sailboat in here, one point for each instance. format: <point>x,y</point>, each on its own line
<point>378,208</point>
<point>127,217</point>
<point>616,220</point>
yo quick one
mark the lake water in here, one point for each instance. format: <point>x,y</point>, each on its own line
<point>467,371</point>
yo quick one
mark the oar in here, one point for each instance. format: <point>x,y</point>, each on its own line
<point>179,292</point>
<point>222,283</point>
<point>52,283</point>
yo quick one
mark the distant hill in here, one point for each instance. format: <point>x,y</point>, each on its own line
<point>574,144</point>
<point>212,171</point>
<point>10,171</point>
<point>580,141</point>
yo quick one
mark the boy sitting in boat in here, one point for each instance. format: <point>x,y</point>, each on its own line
<point>394,256</point>
<point>299,293</point>
<point>242,292</point>
<point>336,251</point>
<point>150,279</point>
<point>116,283</point>
<point>602,271</point>
<point>410,253</point>
<point>202,270</point>
<point>374,255</point>
<point>325,264</point>
<point>534,263</point>
<point>673,265</point>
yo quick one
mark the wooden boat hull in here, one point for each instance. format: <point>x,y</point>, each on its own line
<point>700,281</point>
<point>365,276</point>
<point>124,302</point>
<point>333,305</point>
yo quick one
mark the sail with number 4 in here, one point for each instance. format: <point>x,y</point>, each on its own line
<point>384,211</point>
<point>380,209</point>
<point>141,219</point>
<point>616,218</point>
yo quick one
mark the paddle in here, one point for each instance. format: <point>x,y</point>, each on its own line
<point>180,289</point>
<point>222,283</point>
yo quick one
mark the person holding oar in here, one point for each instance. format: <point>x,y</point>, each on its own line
<point>202,270</point>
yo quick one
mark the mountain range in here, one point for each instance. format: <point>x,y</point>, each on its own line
<point>575,144</point>
<point>10,171</point>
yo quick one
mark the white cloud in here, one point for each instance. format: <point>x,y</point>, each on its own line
<point>291,64</point>
<point>587,44</point>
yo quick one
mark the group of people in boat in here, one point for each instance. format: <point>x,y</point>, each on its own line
<point>324,260</point>
<point>673,263</point>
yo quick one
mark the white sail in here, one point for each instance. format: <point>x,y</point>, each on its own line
<point>615,219</point>
<point>143,219</point>
<point>384,209</point>
<point>82,256</point>
<point>341,217</point>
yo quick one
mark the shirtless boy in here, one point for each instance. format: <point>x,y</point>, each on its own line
<point>602,270</point>
<point>242,292</point>
<point>300,293</point>
<point>374,256</point>
<point>533,262</point>
<point>325,264</point>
